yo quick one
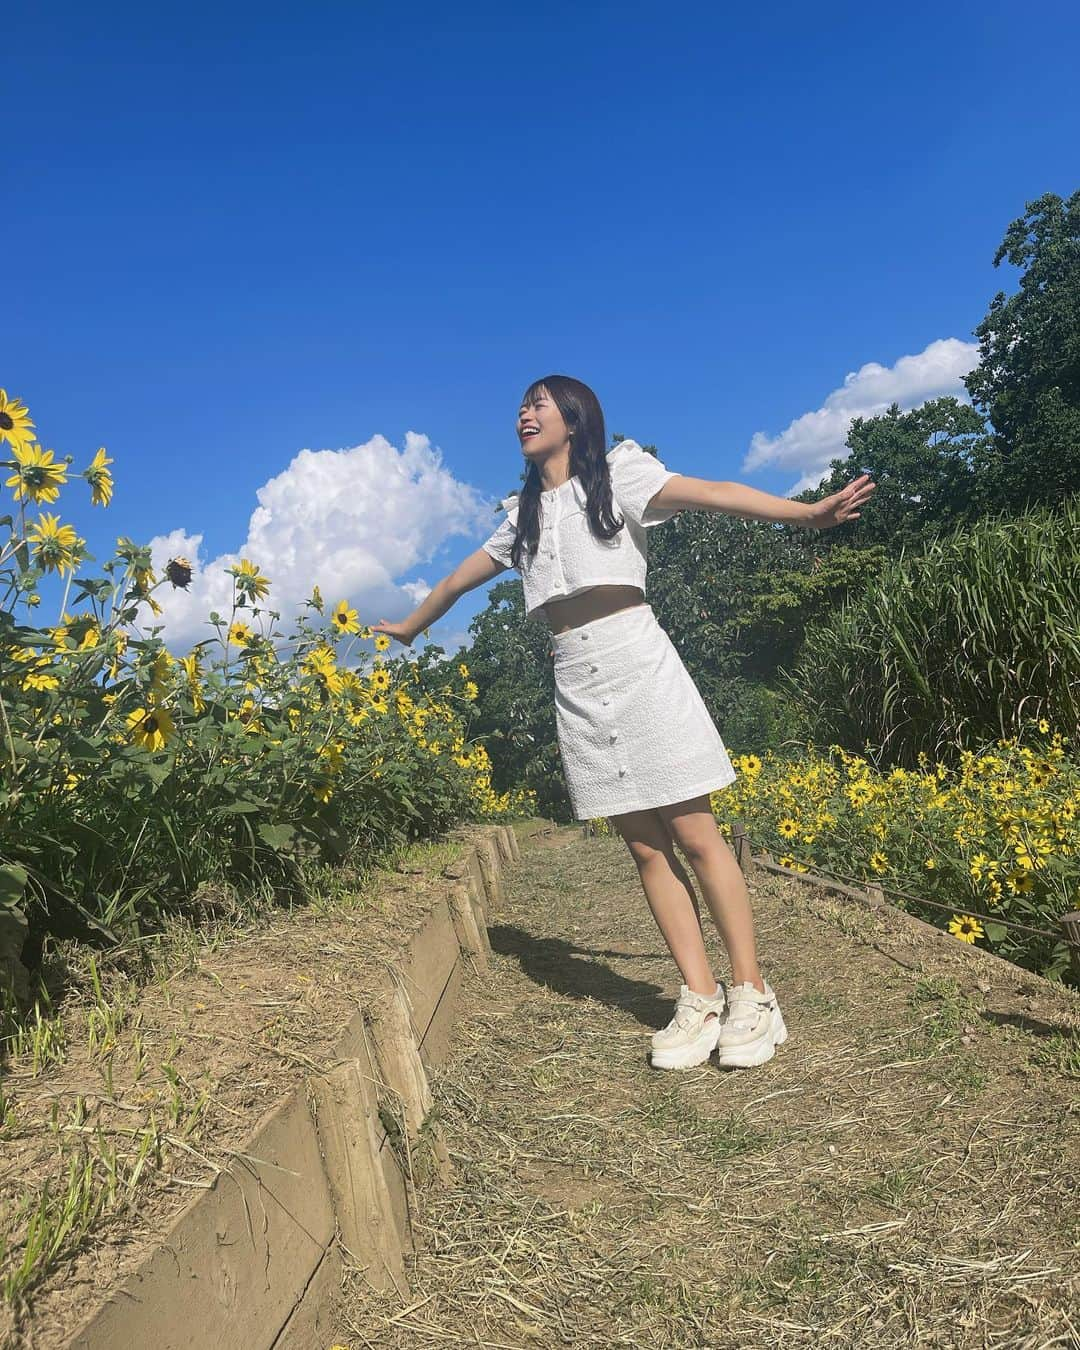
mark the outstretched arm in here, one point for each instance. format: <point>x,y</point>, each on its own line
<point>471,572</point>
<point>738,499</point>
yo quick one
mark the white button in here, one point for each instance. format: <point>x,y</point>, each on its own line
<point>614,735</point>
<point>550,554</point>
<point>606,702</point>
<point>584,636</point>
<point>622,771</point>
<point>594,669</point>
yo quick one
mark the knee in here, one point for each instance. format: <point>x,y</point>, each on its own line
<point>696,845</point>
<point>646,854</point>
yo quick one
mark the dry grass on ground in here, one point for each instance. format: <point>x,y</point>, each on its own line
<point>902,1172</point>
<point>194,1061</point>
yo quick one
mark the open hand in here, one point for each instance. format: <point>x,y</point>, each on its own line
<point>840,506</point>
<point>395,630</point>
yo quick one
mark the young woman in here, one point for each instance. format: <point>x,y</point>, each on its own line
<point>636,740</point>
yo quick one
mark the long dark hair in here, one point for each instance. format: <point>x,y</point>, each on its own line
<point>584,420</point>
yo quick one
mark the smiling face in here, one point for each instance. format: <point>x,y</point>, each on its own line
<point>541,428</point>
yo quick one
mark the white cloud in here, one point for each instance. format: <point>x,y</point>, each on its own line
<point>353,522</point>
<point>416,590</point>
<point>812,440</point>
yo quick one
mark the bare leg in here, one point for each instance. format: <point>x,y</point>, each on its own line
<point>669,893</point>
<point>692,825</point>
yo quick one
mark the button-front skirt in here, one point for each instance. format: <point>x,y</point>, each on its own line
<point>633,730</point>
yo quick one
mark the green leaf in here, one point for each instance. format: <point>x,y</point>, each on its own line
<point>12,884</point>
<point>278,837</point>
<point>995,931</point>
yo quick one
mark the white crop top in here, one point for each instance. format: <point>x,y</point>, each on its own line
<point>570,557</point>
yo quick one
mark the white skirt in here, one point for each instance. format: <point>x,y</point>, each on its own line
<point>633,730</point>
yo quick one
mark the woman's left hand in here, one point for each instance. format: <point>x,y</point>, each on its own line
<point>840,506</point>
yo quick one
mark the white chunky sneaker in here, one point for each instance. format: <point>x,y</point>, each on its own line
<point>752,1028</point>
<point>690,1037</point>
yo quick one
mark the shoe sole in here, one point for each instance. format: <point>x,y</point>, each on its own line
<point>749,1056</point>
<point>689,1056</point>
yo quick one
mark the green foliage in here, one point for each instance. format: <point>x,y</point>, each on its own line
<point>927,466</point>
<point>1028,378</point>
<point>970,638</point>
<point>129,778</point>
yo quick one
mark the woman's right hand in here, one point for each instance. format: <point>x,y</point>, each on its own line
<point>400,631</point>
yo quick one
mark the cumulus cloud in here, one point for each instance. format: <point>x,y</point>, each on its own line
<point>808,444</point>
<point>354,522</point>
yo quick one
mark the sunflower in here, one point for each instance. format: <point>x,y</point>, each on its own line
<point>100,479</point>
<point>787,828</point>
<point>178,570</point>
<point>194,674</point>
<point>38,478</point>
<point>249,715</point>
<point>152,727</point>
<point>160,670</point>
<point>382,641</point>
<point>966,927</point>
<point>333,756</point>
<point>40,679</point>
<point>117,647</point>
<point>380,679</point>
<point>879,862</point>
<point>320,662</point>
<point>858,794</point>
<point>316,599</point>
<point>15,425</point>
<point>82,629</point>
<point>249,579</point>
<point>344,619</point>
<point>56,546</point>
<point>241,634</point>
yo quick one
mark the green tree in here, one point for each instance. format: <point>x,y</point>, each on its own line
<point>927,466</point>
<point>1028,378</point>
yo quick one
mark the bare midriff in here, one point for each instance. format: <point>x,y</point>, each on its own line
<point>574,610</point>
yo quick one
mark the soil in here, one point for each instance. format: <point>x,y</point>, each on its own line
<point>902,1171</point>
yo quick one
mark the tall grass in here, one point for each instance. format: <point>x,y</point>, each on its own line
<point>969,640</point>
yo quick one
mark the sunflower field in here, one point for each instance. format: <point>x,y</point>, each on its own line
<point>975,850</point>
<point>130,777</point>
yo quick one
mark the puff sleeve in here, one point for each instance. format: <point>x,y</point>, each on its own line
<point>500,543</point>
<point>636,476</point>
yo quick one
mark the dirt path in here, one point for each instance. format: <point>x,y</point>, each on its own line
<point>903,1171</point>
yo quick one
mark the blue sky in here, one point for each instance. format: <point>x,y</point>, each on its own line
<point>237,233</point>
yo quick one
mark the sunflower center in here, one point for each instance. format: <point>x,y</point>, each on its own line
<point>150,725</point>
<point>6,421</point>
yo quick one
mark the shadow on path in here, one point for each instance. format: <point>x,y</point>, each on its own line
<point>562,967</point>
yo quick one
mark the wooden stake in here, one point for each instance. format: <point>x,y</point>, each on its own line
<point>740,843</point>
<point>1070,927</point>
